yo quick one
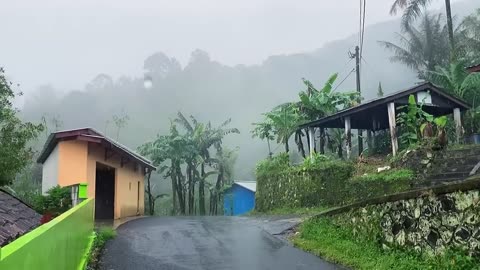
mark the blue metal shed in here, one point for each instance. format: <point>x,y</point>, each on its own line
<point>240,198</point>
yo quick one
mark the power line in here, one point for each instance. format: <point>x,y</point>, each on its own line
<point>346,77</point>
<point>363,25</point>
<point>344,68</point>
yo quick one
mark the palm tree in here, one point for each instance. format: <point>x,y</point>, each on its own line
<point>455,78</point>
<point>469,38</point>
<point>413,9</point>
<point>421,49</point>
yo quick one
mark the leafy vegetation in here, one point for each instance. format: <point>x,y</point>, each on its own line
<point>421,48</point>
<point>283,121</point>
<point>57,201</point>
<point>14,135</point>
<point>458,80</point>
<point>339,244</point>
<point>102,236</point>
<point>185,157</point>
<point>417,124</point>
<point>393,175</point>
<point>281,185</point>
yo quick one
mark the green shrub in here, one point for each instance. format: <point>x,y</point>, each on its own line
<point>101,237</point>
<point>274,164</point>
<point>319,181</point>
<point>340,244</point>
<point>301,186</point>
<point>388,176</point>
<point>57,201</point>
<point>312,161</point>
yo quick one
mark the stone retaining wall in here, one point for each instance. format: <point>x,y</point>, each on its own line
<point>429,221</point>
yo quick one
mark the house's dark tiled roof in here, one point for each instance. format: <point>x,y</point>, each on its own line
<point>16,218</point>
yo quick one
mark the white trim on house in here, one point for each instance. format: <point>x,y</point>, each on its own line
<point>50,171</point>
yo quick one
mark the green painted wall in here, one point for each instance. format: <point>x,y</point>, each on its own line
<point>60,244</point>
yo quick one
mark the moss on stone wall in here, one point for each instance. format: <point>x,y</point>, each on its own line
<point>429,224</point>
<point>300,187</point>
<point>325,183</point>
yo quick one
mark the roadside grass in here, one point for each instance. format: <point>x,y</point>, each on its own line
<point>300,211</point>
<point>322,238</point>
<point>101,237</point>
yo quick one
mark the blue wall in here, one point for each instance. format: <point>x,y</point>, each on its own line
<point>238,200</point>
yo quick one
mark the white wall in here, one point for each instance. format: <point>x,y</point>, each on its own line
<point>50,171</point>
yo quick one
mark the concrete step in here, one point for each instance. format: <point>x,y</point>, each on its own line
<point>448,175</point>
<point>452,161</point>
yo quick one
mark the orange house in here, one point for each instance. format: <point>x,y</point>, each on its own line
<point>114,174</point>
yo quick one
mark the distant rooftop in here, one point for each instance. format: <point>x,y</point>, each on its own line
<point>250,185</point>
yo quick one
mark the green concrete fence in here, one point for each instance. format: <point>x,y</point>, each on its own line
<point>61,244</point>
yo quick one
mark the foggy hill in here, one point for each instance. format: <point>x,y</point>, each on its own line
<point>212,91</point>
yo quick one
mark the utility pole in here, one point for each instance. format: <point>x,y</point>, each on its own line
<point>359,100</point>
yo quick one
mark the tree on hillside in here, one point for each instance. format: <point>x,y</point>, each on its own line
<point>413,9</point>
<point>120,122</point>
<point>380,90</point>
<point>421,48</point>
<point>14,135</point>
<point>100,82</point>
<point>158,66</point>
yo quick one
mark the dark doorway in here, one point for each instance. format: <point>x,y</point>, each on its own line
<point>104,192</point>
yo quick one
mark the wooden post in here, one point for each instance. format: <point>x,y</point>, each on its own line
<point>348,136</point>
<point>458,123</point>
<point>311,140</point>
<point>392,123</point>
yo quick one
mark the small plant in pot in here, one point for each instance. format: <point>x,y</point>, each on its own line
<point>472,125</point>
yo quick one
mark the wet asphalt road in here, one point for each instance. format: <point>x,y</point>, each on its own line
<point>210,243</point>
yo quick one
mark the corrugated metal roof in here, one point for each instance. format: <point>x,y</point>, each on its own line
<point>250,185</point>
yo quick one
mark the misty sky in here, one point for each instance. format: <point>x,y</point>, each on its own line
<point>67,43</point>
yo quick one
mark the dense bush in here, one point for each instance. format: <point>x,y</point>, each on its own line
<point>281,185</point>
<point>57,201</point>
<point>360,250</point>
<point>102,236</point>
<point>321,182</point>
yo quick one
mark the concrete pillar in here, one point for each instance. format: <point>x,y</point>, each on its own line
<point>393,124</point>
